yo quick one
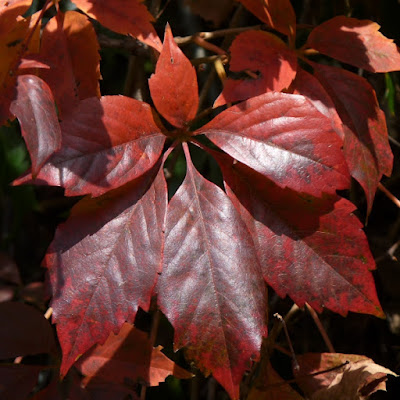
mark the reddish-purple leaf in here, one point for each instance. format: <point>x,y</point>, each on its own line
<point>173,87</point>
<point>106,144</point>
<point>123,16</point>
<point>69,45</point>
<point>35,109</point>
<point>211,287</point>
<point>310,249</point>
<point>366,145</point>
<point>19,318</point>
<point>356,42</point>
<point>103,263</point>
<point>278,14</point>
<point>307,85</point>
<point>264,54</point>
<point>285,138</point>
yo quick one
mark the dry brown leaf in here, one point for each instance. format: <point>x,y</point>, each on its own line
<point>356,380</point>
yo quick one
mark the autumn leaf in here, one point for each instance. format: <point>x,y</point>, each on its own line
<point>128,355</point>
<point>314,237</point>
<point>123,16</point>
<point>69,45</point>
<point>366,144</point>
<point>356,42</point>
<point>284,138</point>
<point>211,287</point>
<point>103,263</point>
<point>270,60</point>
<point>35,109</point>
<point>106,144</point>
<point>278,14</point>
<point>356,378</point>
<point>176,103</point>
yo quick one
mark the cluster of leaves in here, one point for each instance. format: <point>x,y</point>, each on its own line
<point>300,131</point>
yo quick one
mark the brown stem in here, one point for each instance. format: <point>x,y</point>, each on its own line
<point>321,329</point>
<point>395,200</point>
<point>180,40</point>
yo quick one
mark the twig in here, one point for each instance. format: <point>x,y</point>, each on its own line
<point>321,329</point>
<point>296,366</point>
<point>215,34</point>
<point>395,200</point>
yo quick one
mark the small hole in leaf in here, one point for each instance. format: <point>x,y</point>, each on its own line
<point>172,60</point>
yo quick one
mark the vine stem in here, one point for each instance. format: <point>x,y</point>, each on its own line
<point>395,200</point>
<point>321,329</point>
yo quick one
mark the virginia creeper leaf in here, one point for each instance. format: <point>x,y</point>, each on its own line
<point>285,138</point>
<point>278,14</point>
<point>211,287</point>
<point>307,85</point>
<point>262,53</point>
<point>356,42</point>
<point>35,109</point>
<point>69,46</point>
<point>310,249</point>
<point>131,355</point>
<point>103,263</point>
<point>123,16</point>
<point>107,143</point>
<point>20,318</point>
<point>173,87</point>
<point>366,145</point>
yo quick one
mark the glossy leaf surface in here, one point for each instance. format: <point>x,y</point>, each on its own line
<point>108,143</point>
<point>315,238</point>
<point>103,263</point>
<point>35,109</point>
<point>366,144</point>
<point>123,16</point>
<point>176,102</point>
<point>211,286</point>
<point>286,139</point>
<point>270,59</point>
<point>356,42</point>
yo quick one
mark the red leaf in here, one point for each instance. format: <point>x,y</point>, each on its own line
<point>211,286</point>
<point>356,42</point>
<point>262,53</point>
<point>366,145</point>
<point>123,16</point>
<point>285,138</point>
<point>310,249</point>
<point>103,263</point>
<point>69,46</point>
<point>106,144</point>
<point>173,87</point>
<point>128,355</point>
<point>278,14</point>
<point>307,85</point>
<point>35,109</point>
<point>13,334</point>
